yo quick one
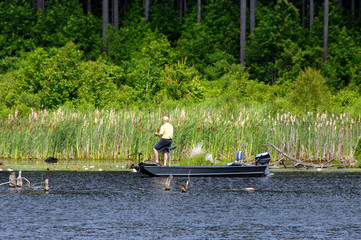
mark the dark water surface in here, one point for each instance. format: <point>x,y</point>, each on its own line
<point>125,205</point>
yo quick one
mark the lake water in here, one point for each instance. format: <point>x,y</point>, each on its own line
<point>126,205</point>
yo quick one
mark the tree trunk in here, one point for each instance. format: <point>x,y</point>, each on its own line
<point>311,16</point>
<point>180,6</point>
<point>105,18</point>
<point>252,13</point>
<point>89,6</point>
<point>199,7</point>
<point>40,5</point>
<point>303,13</point>
<point>125,8</point>
<point>146,10</point>
<point>325,31</point>
<point>116,14</point>
<point>359,8</point>
<point>243,9</point>
<point>185,7</point>
<point>353,7</point>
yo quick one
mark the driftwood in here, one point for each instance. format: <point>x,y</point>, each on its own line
<point>18,183</point>
<point>298,162</point>
<point>168,182</point>
<point>250,189</point>
<point>185,186</point>
<point>12,180</point>
<point>4,183</point>
<point>46,189</point>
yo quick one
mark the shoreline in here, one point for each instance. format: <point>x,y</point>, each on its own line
<point>8,165</point>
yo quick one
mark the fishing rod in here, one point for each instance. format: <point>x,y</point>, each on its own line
<point>152,132</point>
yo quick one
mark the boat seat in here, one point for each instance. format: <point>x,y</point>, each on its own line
<point>171,148</point>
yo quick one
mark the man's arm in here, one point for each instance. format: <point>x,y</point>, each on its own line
<point>158,135</point>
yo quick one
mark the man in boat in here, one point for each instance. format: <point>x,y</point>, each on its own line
<point>166,135</point>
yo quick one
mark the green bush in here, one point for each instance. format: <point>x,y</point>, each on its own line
<point>309,92</point>
<point>60,75</point>
<point>345,99</point>
<point>180,81</point>
<point>355,109</point>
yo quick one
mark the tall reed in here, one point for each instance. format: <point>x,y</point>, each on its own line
<point>110,134</point>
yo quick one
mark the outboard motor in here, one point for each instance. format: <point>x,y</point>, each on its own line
<point>263,159</point>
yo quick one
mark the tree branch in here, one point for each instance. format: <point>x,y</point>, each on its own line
<point>297,161</point>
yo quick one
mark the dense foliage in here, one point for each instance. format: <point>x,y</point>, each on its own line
<point>55,56</point>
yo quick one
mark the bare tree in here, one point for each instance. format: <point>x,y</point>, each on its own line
<point>185,6</point>
<point>146,9</point>
<point>303,13</point>
<point>199,7</point>
<point>125,8</point>
<point>243,13</point>
<point>252,13</point>
<point>180,8</point>
<point>325,31</point>
<point>311,16</point>
<point>116,14</point>
<point>89,6</point>
<point>40,4</point>
<point>105,20</point>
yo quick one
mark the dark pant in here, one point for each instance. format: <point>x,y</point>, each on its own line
<point>163,144</point>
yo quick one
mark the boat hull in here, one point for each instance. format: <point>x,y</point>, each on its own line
<point>203,171</point>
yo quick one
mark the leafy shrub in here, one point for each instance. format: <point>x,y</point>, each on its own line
<point>30,100</point>
<point>309,91</point>
<point>345,98</point>
<point>180,81</point>
<point>355,109</point>
<point>60,75</point>
<point>257,91</point>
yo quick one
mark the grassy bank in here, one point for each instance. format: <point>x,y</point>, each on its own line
<point>220,131</point>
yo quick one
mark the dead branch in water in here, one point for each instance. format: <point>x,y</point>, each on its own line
<point>298,162</point>
<point>185,186</point>
<point>4,183</point>
<point>18,183</point>
<point>168,182</point>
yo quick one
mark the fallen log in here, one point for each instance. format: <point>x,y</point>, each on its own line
<point>298,162</point>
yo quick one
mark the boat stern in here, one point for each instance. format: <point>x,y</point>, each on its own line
<point>263,159</point>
